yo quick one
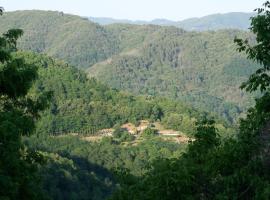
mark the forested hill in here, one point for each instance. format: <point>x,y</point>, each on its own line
<point>235,20</point>
<point>200,68</point>
<point>86,106</point>
<point>77,168</point>
<point>69,37</point>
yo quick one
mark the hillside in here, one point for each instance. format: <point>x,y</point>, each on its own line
<point>72,38</point>
<point>201,69</point>
<point>234,20</point>
<point>77,167</point>
<point>86,106</point>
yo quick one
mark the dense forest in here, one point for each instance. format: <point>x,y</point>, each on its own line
<point>169,64</point>
<point>43,166</point>
<point>201,69</point>
<point>62,36</point>
<point>55,116</point>
<point>215,168</point>
<point>85,105</point>
<point>76,168</point>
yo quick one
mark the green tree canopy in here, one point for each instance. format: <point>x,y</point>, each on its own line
<point>18,113</point>
<point>260,51</point>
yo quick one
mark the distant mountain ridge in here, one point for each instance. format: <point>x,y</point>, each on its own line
<point>108,21</point>
<point>232,20</point>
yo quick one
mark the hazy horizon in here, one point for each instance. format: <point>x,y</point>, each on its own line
<point>174,10</point>
<point>134,20</point>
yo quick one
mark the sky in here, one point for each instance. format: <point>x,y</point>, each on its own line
<point>136,9</point>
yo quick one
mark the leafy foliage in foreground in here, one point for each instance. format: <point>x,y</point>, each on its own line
<point>18,114</point>
<point>211,168</point>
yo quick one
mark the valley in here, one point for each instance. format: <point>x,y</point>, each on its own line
<point>99,108</point>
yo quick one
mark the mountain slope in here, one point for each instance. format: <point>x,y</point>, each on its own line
<point>86,106</point>
<point>200,68</point>
<point>72,38</point>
